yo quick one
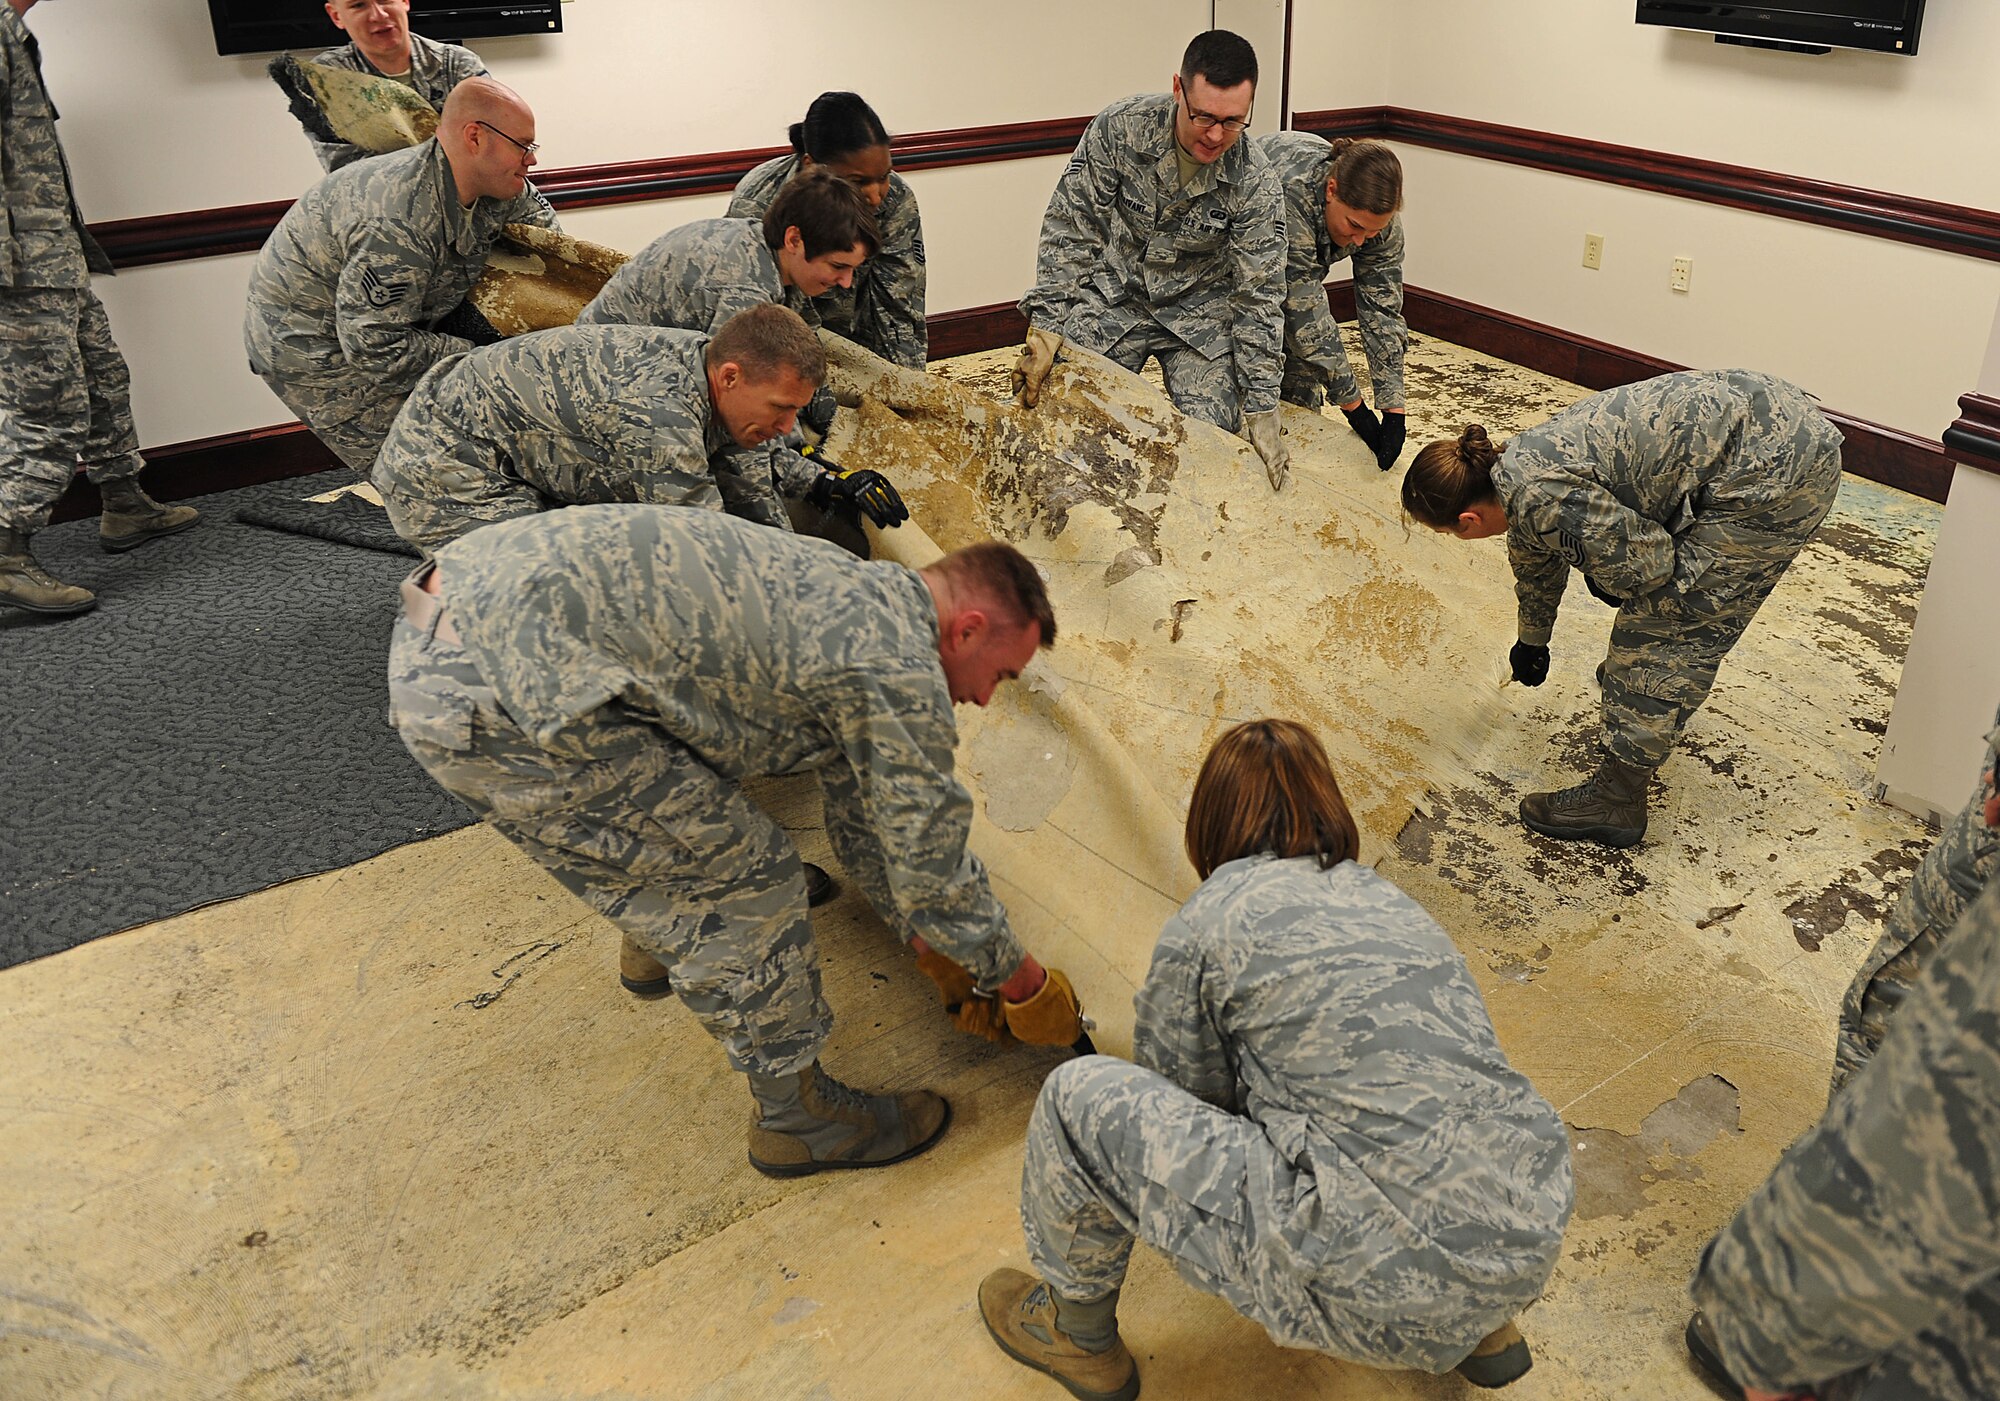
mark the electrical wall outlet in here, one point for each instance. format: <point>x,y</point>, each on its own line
<point>1593,250</point>
<point>1683,274</point>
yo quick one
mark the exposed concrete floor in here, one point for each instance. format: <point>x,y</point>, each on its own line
<point>283,1147</point>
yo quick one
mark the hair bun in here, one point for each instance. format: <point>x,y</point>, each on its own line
<point>1476,448</point>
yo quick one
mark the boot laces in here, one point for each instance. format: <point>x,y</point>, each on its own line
<point>32,567</point>
<point>832,1092</point>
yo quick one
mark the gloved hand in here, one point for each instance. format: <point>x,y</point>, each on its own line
<point>1038,357</point>
<point>1366,426</point>
<point>467,322</point>
<point>818,415</point>
<point>1395,430</point>
<point>1264,434</point>
<point>1530,663</point>
<point>1600,595</point>
<point>865,489</point>
<point>1051,1017</point>
<point>969,1012</point>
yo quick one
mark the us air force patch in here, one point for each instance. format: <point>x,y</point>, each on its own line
<point>382,291</point>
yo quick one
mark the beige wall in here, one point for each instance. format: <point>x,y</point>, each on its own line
<point>155,122</point>
<point>1884,330</point>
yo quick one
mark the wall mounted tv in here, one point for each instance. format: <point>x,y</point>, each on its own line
<point>1811,25</point>
<point>265,26</point>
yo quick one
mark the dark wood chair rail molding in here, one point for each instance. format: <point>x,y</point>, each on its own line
<point>1974,436</point>
<point>1873,450</point>
<point>242,228</point>
<point>1974,233</point>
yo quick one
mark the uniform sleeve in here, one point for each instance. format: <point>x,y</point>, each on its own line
<point>1887,1213</point>
<point>1539,580</point>
<point>377,303</point>
<point>749,199</point>
<point>1074,230</point>
<point>1312,337</point>
<point>898,785</point>
<point>1176,1033</point>
<point>533,207</point>
<point>749,487</point>
<point>335,154</point>
<point>1257,234</point>
<point>791,473</point>
<point>1581,523</point>
<point>732,298</point>
<point>1378,304</point>
<point>889,293</point>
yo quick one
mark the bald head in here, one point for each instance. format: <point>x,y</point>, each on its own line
<point>487,131</point>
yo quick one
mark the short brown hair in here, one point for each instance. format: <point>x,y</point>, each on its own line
<point>1267,786</point>
<point>765,339</point>
<point>1003,576</point>
<point>1448,478</point>
<point>829,213</point>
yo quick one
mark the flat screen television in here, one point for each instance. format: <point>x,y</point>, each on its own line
<point>266,26</point>
<point>1889,26</point>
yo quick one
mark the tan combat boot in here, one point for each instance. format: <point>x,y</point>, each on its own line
<point>641,973</point>
<point>131,517</point>
<point>1501,1357</point>
<point>1077,1344</point>
<point>1609,807</point>
<point>25,584</point>
<point>809,1122</point>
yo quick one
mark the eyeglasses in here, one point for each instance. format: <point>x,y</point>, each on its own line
<point>527,147</point>
<point>1235,126</point>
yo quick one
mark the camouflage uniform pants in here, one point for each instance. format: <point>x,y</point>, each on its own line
<point>1666,646</point>
<point>429,522</point>
<point>1204,388</point>
<point>65,398</point>
<point>643,832</point>
<point>1951,877</point>
<point>351,419</point>
<point>1117,1152</point>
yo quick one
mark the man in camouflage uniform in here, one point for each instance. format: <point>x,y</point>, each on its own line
<point>1952,875</point>
<point>346,289</point>
<point>1165,238</point>
<point>1867,1267</point>
<point>1316,364</point>
<point>882,308</point>
<point>1320,1128</point>
<point>382,46</point>
<point>585,414</point>
<point>1682,500</point>
<point>814,238</point>
<point>65,391</point>
<point>596,682</point>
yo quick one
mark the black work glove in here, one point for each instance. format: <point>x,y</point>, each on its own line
<point>1394,431</point>
<point>818,415</point>
<point>468,323</point>
<point>1600,595</point>
<point>866,490</point>
<point>1530,663</point>
<point>1366,426</point>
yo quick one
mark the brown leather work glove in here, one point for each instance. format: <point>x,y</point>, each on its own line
<point>1051,1017</point>
<point>1038,357</point>
<point>969,1012</point>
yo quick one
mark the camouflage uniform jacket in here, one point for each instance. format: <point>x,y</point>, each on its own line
<point>43,239</point>
<point>762,654</point>
<point>1871,1255</point>
<point>346,286</point>
<point>435,69</point>
<point>1303,162</point>
<point>1329,1008</point>
<point>696,277</point>
<point>884,310</point>
<point>580,414</point>
<point>1125,242</point>
<point>1615,484</point>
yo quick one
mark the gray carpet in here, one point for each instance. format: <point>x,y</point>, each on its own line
<point>215,727</point>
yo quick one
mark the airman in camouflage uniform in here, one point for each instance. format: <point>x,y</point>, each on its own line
<point>884,310</point>
<point>1867,1267</point>
<point>1320,1128</point>
<point>600,679</point>
<point>346,289</point>
<point>434,70</point>
<point>570,416</point>
<point>1951,876</point>
<point>65,391</point>
<point>1316,362</point>
<point>696,277</point>
<point>1684,498</point>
